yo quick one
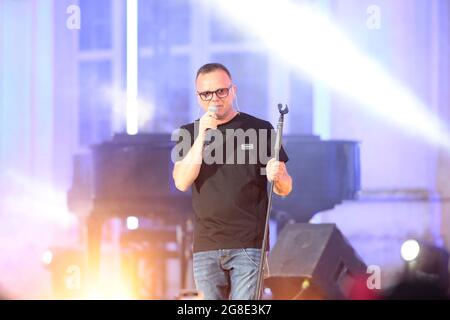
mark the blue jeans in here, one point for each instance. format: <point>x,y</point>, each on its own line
<point>227,273</point>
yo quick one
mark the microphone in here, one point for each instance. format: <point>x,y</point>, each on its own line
<point>212,109</point>
<point>208,136</point>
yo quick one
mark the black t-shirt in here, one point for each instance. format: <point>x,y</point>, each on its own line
<point>229,196</point>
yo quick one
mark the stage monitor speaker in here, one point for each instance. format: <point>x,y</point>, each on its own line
<point>313,261</point>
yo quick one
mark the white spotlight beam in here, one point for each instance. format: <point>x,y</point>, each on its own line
<point>132,67</point>
<point>305,38</point>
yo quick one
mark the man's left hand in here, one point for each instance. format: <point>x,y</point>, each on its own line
<point>275,170</point>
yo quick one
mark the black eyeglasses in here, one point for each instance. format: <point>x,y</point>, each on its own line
<point>220,93</point>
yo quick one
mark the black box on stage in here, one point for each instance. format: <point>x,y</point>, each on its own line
<point>312,261</point>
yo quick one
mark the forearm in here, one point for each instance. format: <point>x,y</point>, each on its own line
<point>283,186</point>
<point>186,171</point>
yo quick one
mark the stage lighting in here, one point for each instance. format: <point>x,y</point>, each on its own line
<point>426,263</point>
<point>132,223</point>
<point>47,257</point>
<point>132,67</point>
<point>410,250</point>
<point>327,55</point>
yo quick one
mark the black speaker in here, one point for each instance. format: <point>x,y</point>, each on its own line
<point>313,261</point>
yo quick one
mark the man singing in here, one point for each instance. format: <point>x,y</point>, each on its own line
<point>229,187</point>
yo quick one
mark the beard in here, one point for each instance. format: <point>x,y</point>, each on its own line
<point>222,114</point>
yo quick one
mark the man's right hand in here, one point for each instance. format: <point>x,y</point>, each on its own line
<point>208,121</point>
<point>186,171</point>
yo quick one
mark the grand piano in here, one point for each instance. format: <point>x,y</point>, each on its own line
<point>132,175</point>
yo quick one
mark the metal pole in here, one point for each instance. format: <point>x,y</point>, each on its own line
<point>259,284</point>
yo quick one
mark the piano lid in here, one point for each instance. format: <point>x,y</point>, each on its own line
<point>133,175</point>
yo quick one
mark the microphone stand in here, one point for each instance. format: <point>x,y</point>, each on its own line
<point>259,284</point>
